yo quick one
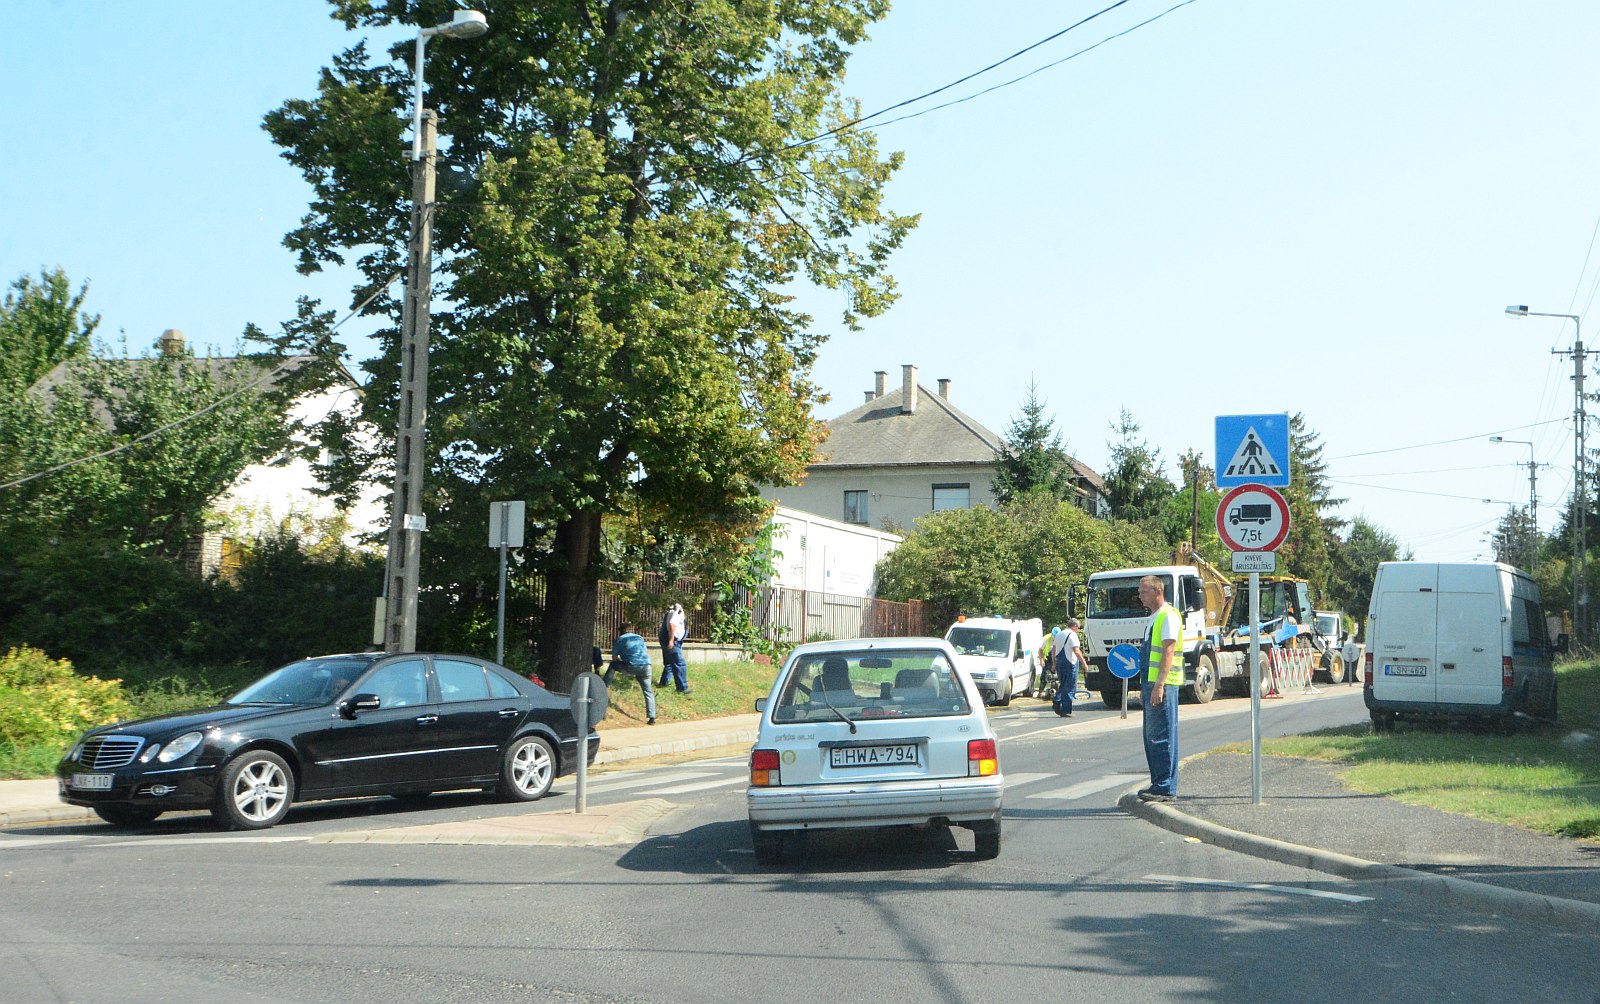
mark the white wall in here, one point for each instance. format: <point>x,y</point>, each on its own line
<point>897,495</point>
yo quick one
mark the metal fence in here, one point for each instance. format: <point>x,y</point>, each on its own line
<point>793,615</point>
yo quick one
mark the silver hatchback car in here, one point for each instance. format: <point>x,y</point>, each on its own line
<point>872,732</point>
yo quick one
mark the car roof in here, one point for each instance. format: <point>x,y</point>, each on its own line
<point>860,644</point>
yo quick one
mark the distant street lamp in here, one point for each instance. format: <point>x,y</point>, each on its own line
<point>1580,506</point>
<point>1533,497</point>
<point>406,519</point>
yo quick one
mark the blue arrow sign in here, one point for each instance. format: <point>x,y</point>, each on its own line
<point>1253,450</point>
<point>1123,661</point>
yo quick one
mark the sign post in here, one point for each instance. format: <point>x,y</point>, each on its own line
<point>506,521</point>
<point>589,701</point>
<point>1253,519</point>
<point>1123,662</point>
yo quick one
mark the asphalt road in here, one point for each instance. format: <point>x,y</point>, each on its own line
<point>1083,900</point>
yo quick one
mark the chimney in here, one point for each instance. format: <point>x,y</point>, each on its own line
<point>880,381</point>
<point>908,398</point>
<point>172,342</point>
<point>944,388</point>
<point>870,395</point>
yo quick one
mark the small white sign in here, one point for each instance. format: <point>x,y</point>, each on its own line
<point>415,522</point>
<point>506,523</point>
<point>1255,561</point>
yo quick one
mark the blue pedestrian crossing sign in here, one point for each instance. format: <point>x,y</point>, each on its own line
<point>1253,450</point>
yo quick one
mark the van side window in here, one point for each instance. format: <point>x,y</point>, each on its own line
<point>1528,629</point>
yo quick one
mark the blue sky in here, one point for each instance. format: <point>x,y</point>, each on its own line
<point>1247,206</point>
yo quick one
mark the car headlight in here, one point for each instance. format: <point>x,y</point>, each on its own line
<point>77,751</point>
<point>180,747</point>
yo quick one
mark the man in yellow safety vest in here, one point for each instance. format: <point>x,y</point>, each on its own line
<point>1158,695</point>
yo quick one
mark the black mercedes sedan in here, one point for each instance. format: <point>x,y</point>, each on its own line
<point>334,726</point>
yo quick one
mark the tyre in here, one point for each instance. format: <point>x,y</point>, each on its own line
<point>526,770</point>
<point>1112,698</point>
<point>1383,721</point>
<point>126,815</point>
<point>255,792</point>
<point>1204,687</point>
<point>1033,680</point>
<point>1005,701</point>
<point>986,842</point>
<point>1552,713</point>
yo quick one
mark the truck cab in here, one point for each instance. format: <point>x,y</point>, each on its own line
<point>1113,615</point>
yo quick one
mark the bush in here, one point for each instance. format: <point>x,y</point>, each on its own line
<point>44,703</point>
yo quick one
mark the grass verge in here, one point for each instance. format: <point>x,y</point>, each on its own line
<point>1545,779</point>
<point>720,688</point>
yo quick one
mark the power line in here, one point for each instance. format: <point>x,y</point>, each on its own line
<point>1444,442</point>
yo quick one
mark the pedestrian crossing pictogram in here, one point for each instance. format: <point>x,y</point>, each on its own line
<point>1252,460</point>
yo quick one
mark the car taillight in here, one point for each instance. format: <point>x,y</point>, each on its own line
<point>764,769</point>
<point>1507,677</point>
<point>1368,681</point>
<point>982,760</point>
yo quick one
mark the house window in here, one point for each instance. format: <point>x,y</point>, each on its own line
<point>951,497</point>
<point>855,507</point>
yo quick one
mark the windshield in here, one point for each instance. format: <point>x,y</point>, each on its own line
<point>867,684</point>
<point>1119,597</point>
<point>310,681</point>
<point>980,641</point>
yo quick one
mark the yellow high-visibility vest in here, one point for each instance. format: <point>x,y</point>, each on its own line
<point>1153,667</point>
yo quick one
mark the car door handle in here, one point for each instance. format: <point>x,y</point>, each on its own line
<point>427,719</point>
<point>1447,665</point>
<point>509,713</point>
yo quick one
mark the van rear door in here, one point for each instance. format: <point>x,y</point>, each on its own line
<point>1406,614</point>
<point>1472,628</point>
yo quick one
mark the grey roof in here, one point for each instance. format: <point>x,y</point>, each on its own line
<point>876,434</point>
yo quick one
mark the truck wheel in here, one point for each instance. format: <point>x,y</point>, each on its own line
<point>1113,699</point>
<point>1333,669</point>
<point>1383,721</point>
<point>1204,687</point>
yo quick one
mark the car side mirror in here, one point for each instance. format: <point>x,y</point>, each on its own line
<point>761,704</point>
<point>361,702</point>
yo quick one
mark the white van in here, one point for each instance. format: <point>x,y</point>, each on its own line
<point>1001,655</point>
<point>1456,640</point>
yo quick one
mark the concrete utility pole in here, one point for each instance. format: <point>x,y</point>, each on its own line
<point>1580,504</point>
<point>1533,497</point>
<point>406,518</point>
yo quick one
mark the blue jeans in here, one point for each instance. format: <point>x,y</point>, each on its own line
<point>642,674</point>
<point>1161,738</point>
<point>673,665</point>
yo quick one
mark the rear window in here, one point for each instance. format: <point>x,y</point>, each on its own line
<point>859,685</point>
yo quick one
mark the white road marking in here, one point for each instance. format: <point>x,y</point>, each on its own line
<point>639,781</point>
<point>189,841</point>
<point>1261,887</point>
<point>10,842</point>
<point>1083,788</point>
<point>702,786</point>
<point>1018,780</point>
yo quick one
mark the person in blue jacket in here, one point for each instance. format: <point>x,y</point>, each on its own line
<point>629,653</point>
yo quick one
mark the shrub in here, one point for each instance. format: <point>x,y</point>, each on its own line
<point>44,703</point>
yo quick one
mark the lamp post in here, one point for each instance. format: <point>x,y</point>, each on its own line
<point>1533,497</point>
<point>406,519</point>
<point>1580,506</point>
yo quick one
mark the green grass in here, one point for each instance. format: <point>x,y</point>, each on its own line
<point>1545,779</point>
<point>720,688</point>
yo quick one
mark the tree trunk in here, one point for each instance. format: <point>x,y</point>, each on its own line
<point>566,640</point>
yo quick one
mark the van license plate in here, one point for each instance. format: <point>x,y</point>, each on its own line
<point>1392,670</point>
<point>92,782</point>
<point>873,756</point>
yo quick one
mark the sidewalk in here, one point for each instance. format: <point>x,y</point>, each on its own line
<point>1308,819</point>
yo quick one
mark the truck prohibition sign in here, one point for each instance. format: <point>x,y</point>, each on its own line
<point>1253,518</point>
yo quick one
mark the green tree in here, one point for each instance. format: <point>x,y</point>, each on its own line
<point>638,186</point>
<point>1313,530</point>
<point>1355,561</point>
<point>1032,458</point>
<point>42,325</point>
<point>1135,485</point>
<point>1013,562</point>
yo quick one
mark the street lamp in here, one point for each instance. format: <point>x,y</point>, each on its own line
<point>1580,533</point>
<point>1533,496</point>
<point>406,519</point>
